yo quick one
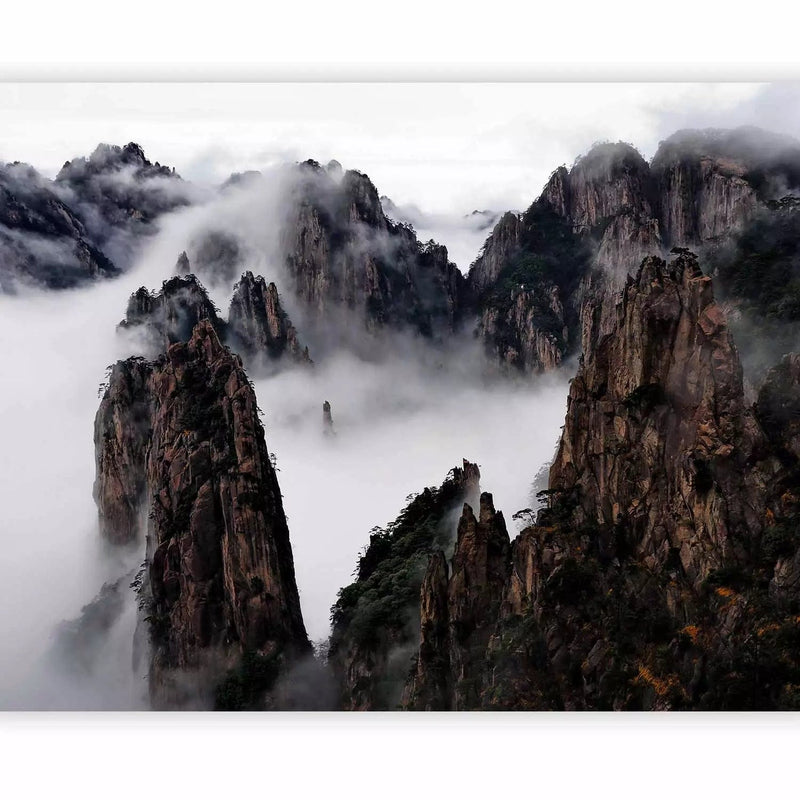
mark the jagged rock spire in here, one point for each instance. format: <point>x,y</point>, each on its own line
<point>657,431</point>
<point>180,444</point>
<point>259,326</point>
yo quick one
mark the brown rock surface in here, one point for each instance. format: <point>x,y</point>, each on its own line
<point>221,574</point>
<point>656,429</point>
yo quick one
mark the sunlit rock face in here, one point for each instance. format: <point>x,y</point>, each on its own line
<point>181,437</point>
<point>657,430</point>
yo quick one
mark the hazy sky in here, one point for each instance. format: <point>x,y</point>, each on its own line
<point>446,147</point>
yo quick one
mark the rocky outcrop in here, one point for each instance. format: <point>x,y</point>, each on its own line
<point>221,585</point>
<point>375,620</point>
<point>701,189</point>
<point>327,419</point>
<point>610,180</point>
<point>171,314</point>
<point>42,240</point>
<point>530,333</point>
<point>711,182</point>
<point>474,593</point>
<point>535,264</point>
<point>122,429</point>
<point>343,253</point>
<point>119,188</point>
<point>429,687</point>
<point>498,250</point>
<point>644,583</point>
<point>457,616</point>
<point>258,327</point>
<point>663,571</point>
<point>665,388</point>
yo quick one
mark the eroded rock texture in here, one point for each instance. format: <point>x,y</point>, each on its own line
<point>665,388</point>
<point>221,575</point>
<point>375,620</point>
<point>258,326</point>
<point>663,572</point>
<point>457,616</point>
<point>343,253</point>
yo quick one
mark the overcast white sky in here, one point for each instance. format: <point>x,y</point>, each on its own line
<point>446,147</point>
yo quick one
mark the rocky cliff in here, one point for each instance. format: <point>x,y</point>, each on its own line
<point>120,188</point>
<point>42,240</point>
<point>702,189</point>
<point>498,250</point>
<point>258,325</point>
<point>457,615</point>
<point>375,619</point>
<point>665,388</point>
<point>524,289</point>
<point>343,253</point>
<point>180,440</point>
<point>171,314</point>
<point>662,571</point>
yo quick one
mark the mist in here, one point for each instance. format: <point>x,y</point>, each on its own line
<point>462,233</point>
<point>403,418</point>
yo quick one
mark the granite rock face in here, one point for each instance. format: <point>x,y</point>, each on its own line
<point>221,584</point>
<point>257,323</point>
<point>701,189</point>
<point>171,314</point>
<point>529,333</point>
<point>501,246</point>
<point>665,388</point>
<point>121,430</point>
<point>342,253</point>
<point>710,182</point>
<point>663,570</point>
<point>457,615</point>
